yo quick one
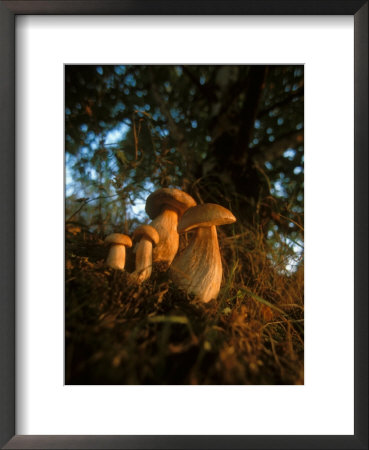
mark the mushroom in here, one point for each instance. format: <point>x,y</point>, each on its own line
<point>148,237</point>
<point>165,206</point>
<point>198,269</point>
<point>117,252</point>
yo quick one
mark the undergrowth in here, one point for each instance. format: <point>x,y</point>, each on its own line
<point>117,333</point>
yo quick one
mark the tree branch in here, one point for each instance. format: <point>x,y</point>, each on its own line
<point>203,89</point>
<point>281,103</point>
<point>264,153</point>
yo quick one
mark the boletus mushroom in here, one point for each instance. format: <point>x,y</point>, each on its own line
<point>117,252</point>
<point>198,269</point>
<point>165,206</point>
<point>147,236</point>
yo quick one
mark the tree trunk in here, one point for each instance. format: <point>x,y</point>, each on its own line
<point>230,163</point>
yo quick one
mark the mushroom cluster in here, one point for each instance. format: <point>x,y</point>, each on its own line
<point>197,270</point>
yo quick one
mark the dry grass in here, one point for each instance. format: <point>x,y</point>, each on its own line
<point>154,334</point>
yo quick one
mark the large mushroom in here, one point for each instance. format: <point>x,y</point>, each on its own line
<point>117,252</point>
<point>165,206</point>
<point>146,236</point>
<point>198,269</point>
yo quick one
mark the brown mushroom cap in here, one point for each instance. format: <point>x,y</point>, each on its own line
<point>118,239</point>
<point>148,232</point>
<point>205,215</point>
<point>170,197</point>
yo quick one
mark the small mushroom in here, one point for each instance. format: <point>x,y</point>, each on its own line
<point>117,252</point>
<point>165,206</point>
<point>147,236</point>
<point>198,269</point>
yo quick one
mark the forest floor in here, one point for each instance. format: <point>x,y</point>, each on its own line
<point>119,333</point>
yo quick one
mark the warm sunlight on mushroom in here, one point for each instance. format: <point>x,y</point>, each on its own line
<point>146,236</point>
<point>117,253</point>
<point>165,206</point>
<point>198,269</point>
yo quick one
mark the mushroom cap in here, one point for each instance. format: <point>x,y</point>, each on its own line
<point>148,232</point>
<point>205,215</point>
<point>118,239</point>
<point>170,197</point>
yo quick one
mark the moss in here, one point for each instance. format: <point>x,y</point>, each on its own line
<point>119,333</point>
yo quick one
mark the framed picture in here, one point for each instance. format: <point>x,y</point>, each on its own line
<point>100,358</point>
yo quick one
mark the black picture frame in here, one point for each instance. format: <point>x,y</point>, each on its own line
<point>8,11</point>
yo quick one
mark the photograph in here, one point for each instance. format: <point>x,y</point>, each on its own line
<point>184,224</point>
<point>183,193</point>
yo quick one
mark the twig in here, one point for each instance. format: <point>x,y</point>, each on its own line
<point>297,224</point>
<point>88,201</point>
<point>135,138</point>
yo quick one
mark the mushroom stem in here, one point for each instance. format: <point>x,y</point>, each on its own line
<point>143,261</point>
<point>166,226</point>
<point>198,269</point>
<point>116,257</point>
